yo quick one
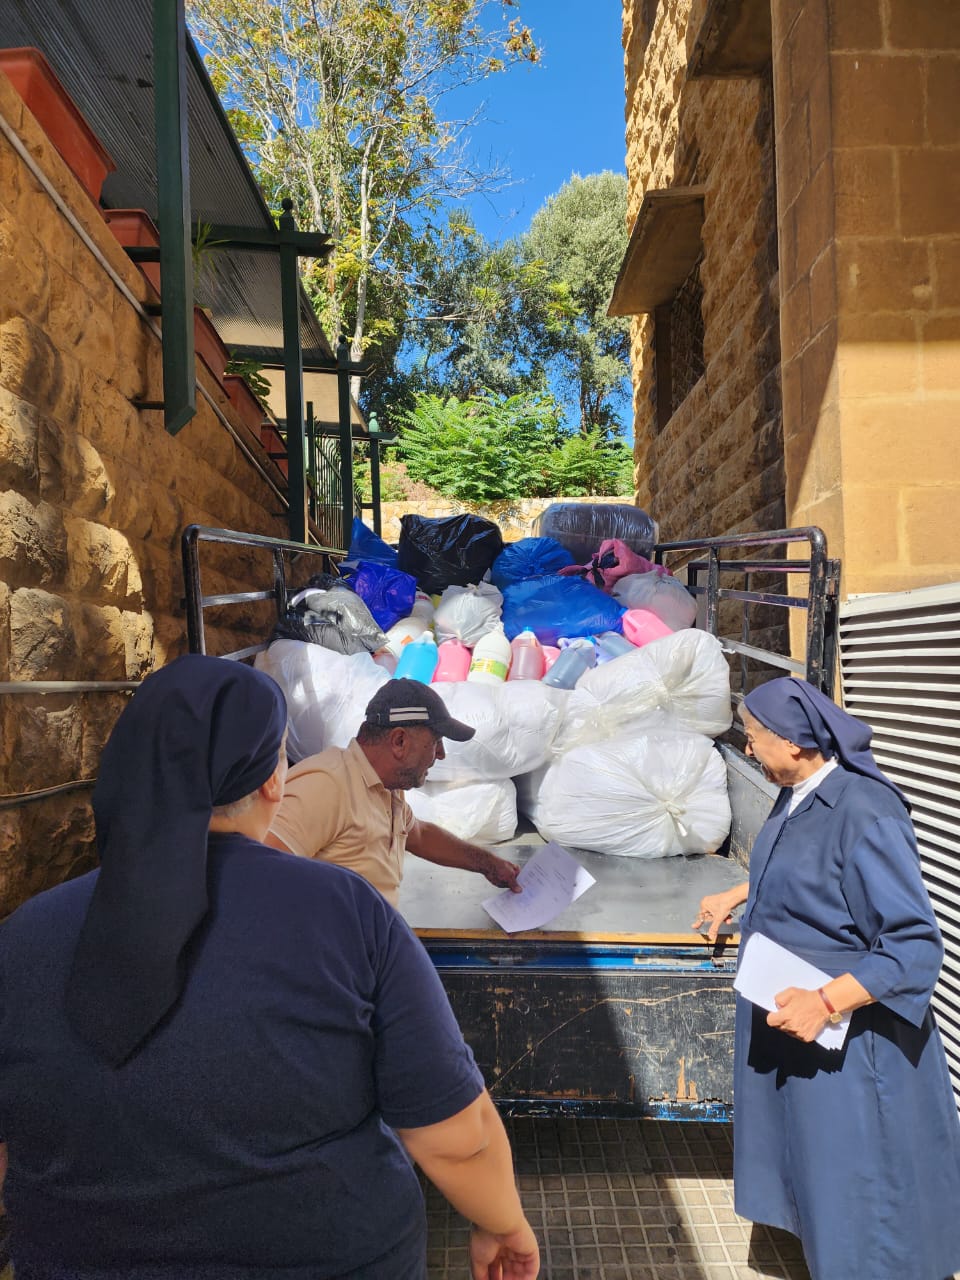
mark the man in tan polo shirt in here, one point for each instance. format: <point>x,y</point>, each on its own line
<point>346,804</point>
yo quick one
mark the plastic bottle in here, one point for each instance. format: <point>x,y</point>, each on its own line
<point>454,661</point>
<point>640,626</point>
<point>403,632</point>
<point>423,607</point>
<point>418,659</point>
<point>491,658</point>
<point>610,644</point>
<point>579,656</point>
<point>527,661</point>
<point>550,654</point>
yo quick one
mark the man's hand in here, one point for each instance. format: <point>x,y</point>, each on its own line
<point>501,873</point>
<point>800,1013</point>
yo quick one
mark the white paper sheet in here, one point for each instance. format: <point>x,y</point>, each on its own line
<point>766,968</point>
<point>551,880</point>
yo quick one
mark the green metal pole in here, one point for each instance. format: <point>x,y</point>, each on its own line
<point>293,375</point>
<point>374,428</point>
<point>346,438</point>
<point>173,212</point>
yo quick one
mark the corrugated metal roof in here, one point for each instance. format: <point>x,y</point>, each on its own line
<point>103,53</point>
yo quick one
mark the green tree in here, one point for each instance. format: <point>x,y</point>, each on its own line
<point>342,105</point>
<point>588,463</point>
<point>579,238</point>
<point>480,449</point>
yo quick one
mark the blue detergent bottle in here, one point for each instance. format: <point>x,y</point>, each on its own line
<point>418,659</point>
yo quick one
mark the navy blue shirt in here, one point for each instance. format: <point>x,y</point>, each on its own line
<point>250,1132</point>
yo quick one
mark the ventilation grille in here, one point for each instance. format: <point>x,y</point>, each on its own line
<point>900,671</point>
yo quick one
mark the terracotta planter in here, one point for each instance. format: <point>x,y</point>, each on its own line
<point>208,344</point>
<point>54,110</point>
<point>135,229</point>
<point>273,442</point>
<point>248,407</point>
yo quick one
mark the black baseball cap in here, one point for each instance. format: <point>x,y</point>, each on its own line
<point>408,704</point>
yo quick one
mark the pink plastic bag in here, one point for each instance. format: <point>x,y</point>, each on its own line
<point>640,626</point>
<point>613,560</point>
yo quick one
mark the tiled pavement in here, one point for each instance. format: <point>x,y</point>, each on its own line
<point>627,1200</point>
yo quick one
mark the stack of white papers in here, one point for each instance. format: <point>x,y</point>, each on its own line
<point>552,879</point>
<point>766,969</point>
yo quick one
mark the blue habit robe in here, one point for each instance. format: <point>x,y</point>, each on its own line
<point>857,1152</point>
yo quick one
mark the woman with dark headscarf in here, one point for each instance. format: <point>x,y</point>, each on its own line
<point>856,1151</point>
<point>212,1055</point>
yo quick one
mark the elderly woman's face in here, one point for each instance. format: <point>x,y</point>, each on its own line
<point>775,755</point>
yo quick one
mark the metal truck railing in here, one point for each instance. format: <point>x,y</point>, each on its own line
<point>734,579</point>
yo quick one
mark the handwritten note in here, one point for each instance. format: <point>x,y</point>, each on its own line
<point>766,968</point>
<point>551,880</point>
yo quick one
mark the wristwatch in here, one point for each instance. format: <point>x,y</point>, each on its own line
<point>833,1015</point>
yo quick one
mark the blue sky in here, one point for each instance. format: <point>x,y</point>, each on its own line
<point>560,117</point>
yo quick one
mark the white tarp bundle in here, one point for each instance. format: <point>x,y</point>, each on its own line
<point>481,811</point>
<point>515,723</point>
<point>652,795</point>
<point>680,683</point>
<point>326,692</point>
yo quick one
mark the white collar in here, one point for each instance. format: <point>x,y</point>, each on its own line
<point>802,789</point>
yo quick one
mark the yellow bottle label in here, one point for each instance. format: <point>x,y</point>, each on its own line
<point>491,665</point>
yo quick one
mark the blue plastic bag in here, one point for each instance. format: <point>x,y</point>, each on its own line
<point>528,558</point>
<point>553,606</point>
<point>388,593</point>
<point>369,546</point>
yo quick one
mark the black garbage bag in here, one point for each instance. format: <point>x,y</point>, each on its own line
<point>447,551</point>
<point>329,613</point>
<point>582,526</point>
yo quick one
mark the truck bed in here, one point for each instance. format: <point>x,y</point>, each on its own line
<point>635,900</point>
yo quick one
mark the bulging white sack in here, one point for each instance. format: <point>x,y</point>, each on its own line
<point>467,613</point>
<point>326,692</point>
<point>652,796</point>
<point>482,811</point>
<point>680,683</point>
<point>515,722</point>
<point>661,594</point>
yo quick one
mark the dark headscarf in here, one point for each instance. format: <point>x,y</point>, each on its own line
<point>198,733</point>
<point>802,714</point>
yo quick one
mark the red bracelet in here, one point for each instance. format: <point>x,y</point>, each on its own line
<point>823,996</point>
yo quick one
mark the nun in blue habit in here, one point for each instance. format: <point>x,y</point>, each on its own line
<point>855,1151</point>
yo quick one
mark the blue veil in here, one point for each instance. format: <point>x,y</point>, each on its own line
<point>802,714</point>
<point>199,733</point>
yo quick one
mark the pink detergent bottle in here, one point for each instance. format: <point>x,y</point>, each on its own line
<point>640,626</point>
<point>550,654</point>
<point>527,662</point>
<point>454,661</point>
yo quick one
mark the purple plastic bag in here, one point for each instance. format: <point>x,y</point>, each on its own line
<point>388,593</point>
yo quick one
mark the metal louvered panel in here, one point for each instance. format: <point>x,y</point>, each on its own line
<point>900,671</point>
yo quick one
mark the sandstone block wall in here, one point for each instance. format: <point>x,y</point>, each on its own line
<point>868,162</point>
<point>717,465</point>
<point>93,498</point>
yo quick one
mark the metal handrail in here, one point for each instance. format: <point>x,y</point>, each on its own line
<point>195,601</point>
<point>820,603</point>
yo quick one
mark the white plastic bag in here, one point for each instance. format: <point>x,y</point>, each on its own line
<point>467,613</point>
<point>326,692</point>
<point>652,796</point>
<point>482,811</point>
<point>680,683</point>
<point>515,723</point>
<point>661,594</point>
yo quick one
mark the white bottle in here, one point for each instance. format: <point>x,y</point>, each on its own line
<point>403,632</point>
<point>491,658</point>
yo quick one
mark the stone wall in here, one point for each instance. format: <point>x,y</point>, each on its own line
<point>868,167</point>
<point>93,498</point>
<point>717,465</point>
<point>517,518</point>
